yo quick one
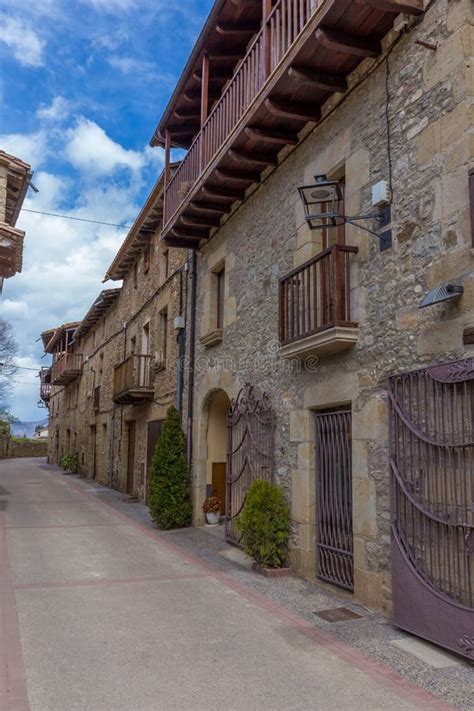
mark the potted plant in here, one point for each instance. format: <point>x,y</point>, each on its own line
<point>265,528</point>
<point>212,508</point>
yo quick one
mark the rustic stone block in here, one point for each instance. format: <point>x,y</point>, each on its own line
<point>301,426</point>
<point>445,337</point>
<point>364,508</point>
<point>371,421</point>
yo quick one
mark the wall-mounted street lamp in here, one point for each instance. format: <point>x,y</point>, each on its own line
<point>322,207</point>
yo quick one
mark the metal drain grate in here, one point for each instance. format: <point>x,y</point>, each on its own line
<point>337,614</point>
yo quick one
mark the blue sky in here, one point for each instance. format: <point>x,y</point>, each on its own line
<point>82,85</point>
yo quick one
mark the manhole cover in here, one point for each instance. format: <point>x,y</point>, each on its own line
<point>337,614</point>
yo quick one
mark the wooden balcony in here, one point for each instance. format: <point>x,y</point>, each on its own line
<point>132,381</point>
<point>66,368</point>
<point>302,54</point>
<point>315,317</point>
<point>45,384</point>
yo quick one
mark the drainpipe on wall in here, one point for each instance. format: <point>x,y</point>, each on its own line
<point>192,350</point>
<point>181,339</point>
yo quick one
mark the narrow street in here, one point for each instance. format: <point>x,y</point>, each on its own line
<point>101,612</point>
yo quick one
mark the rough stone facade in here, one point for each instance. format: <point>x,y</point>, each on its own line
<point>427,96</point>
<point>99,435</point>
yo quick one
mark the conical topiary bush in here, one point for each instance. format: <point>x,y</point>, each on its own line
<point>169,498</point>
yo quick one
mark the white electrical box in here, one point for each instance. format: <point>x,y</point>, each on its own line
<point>178,323</point>
<point>380,193</point>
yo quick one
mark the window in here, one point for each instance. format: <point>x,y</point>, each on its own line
<point>220,298</point>
<point>135,275</point>
<point>133,344</point>
<point>146,259</point>
<point>165,264</point>
<point>163,335</point>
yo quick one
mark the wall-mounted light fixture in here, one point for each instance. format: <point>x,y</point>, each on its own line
<point>322,206</point>
<point>446,292</point>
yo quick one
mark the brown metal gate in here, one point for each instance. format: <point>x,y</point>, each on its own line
<point>334,540</point>
<point>432,501</point>
<point>250,450</point>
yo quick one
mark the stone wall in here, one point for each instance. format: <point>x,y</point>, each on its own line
<point>100,436</point>
<point>427,95</point>
<point>11,448</point>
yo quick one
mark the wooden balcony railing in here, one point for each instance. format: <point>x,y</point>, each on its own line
<point>279,33</point>
<point>316,296</point>
<point>66,368</point>
<point>132,381</point>
<point>45,384</point>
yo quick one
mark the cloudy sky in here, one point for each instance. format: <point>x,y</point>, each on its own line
<point>82,86</point>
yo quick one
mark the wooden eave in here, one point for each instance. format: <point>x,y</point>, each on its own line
<point>11,250</point>
<point>334,41</point>
<point>98,309</point>
<point>56,335</point>
<point>18,179</point>
<point>230,26</point>
<point>148,222</point>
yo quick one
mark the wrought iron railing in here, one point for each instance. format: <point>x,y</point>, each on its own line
<point>316,296</point>
<point>278,34</point>
<point>132,374</point>
<point>67,364</point>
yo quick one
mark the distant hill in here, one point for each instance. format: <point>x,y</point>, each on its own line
<point>27,428</point>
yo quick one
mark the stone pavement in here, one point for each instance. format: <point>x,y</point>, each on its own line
<point>99,611</point>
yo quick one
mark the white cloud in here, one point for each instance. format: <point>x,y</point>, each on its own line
<point>111,5</point>
<point>11,307</point>
<point>31,147</point>
<point>27,47</point>
<point>90,150</point>
<point>58,110</point>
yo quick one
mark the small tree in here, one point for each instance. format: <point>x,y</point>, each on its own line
<point>265,524</point>
<point>169,490</point>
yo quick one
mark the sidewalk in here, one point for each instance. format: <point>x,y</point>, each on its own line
<point>443,674</point>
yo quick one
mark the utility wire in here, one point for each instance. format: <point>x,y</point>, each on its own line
<point>83,219</point>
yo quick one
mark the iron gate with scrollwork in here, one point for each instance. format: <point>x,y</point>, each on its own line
<point>250,450</point>
<point>432,503</point>
<point>334,539</point>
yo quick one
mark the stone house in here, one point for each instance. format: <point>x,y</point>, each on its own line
<point>315,327</point>
<point>114,373</point>
<point>325,195</point>
<point>15,177</point>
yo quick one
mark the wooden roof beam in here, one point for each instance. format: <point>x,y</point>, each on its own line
<point>348,44</point>
<point>187,117</point>
<point>206,208</point>
<point>218,193</point>
<point>293,110</point>
<point>237,176</point>
<point>228,30</point>
<point>189,233</point>
<point>252,158</point>
<point>200,222</point>
<point>275,138</point>
<point>318,80</point>
<point>410,7</point>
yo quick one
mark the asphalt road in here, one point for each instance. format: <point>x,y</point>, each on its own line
<point>100,613</point>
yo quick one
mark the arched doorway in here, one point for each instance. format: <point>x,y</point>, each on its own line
<point>219,404</point>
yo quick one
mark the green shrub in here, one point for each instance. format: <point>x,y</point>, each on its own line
<point>69,462</point>
<point>265,525</point>
<point>169,491</point>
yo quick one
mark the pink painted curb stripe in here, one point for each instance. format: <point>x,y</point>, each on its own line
<point>107,582</point>
<point>13,691</point>
<point>377,671</point>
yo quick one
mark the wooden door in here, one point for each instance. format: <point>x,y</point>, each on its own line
<point>131,458</point>
<point>218,482</point>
